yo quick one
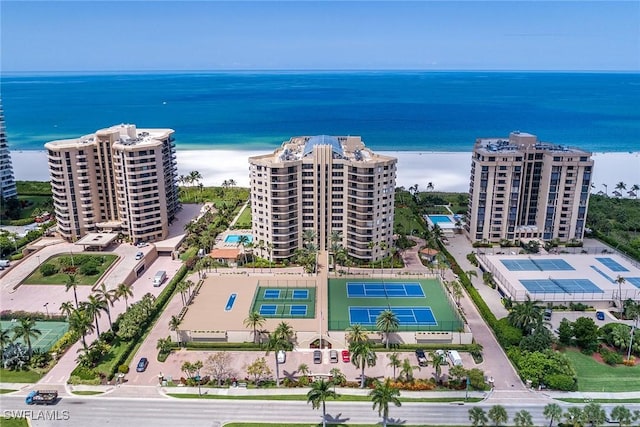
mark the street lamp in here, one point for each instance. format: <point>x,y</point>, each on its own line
<point>46,307</point>
<point>38,256</point>
<point>198,380</point>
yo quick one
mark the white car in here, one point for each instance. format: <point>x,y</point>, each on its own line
<point>139,255</point>
<point>141,244</point>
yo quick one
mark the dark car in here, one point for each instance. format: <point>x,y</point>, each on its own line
<point>142,365</point>
<point>422,358</point>
<point>600,315</point>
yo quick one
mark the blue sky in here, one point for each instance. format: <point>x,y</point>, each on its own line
<point>299,35</point>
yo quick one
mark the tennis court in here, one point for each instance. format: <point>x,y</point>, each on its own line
<point>419,305</point>
<point>51,332</point>
<point>407,316</point>
<point>560,286</point>
<point>531,264</point>
<point>611,264</point>
<point>276,302</point>
<point>635,281</point>
<point>383,289</point>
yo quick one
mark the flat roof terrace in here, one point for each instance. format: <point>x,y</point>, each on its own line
<point>564,277</point>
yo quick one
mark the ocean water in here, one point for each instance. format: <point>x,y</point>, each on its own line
<point>398,111</point>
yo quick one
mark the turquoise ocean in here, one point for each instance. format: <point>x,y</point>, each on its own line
<point>392,111</point>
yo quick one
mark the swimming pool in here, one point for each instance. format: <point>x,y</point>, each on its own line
<point>235,238</point>
<point>440,219</point>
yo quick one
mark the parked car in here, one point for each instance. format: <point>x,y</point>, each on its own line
<point>600,315</point>
<point>333,356</point>
<point>317,356</point>
<point>422,358</point>
<point>281,356</point>
<point>346,357</point>
<point>142,244</point>
<point>139,255</point>
<point>142,365</point>
<point>442,355</point>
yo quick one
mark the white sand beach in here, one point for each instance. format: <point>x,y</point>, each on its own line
<point>447,171</point>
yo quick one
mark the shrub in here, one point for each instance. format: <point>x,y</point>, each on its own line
<point>630,361</point>
<point>64,343</point>
<point>507,335</point>
<point>123,369</point>
<point>48,269</point>
<point>561,382</point>
<point>89,268</point>
<point>84,374</point>
<point>610,357</point>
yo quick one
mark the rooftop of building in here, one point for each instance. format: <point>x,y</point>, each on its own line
<point>522,141</point>
<point>126,134</point>
<point>350,148</point>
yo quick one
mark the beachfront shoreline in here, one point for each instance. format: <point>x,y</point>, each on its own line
<point>447,171</point>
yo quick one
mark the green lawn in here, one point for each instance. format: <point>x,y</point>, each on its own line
<point>87,393</point>
<point>574,400</point>
<point>244,221</point>
<point>13,422</point>
<point>7,376</point>
<point>594,376</point>
<point>331,424</point>
<point>303,397</point>
<point>6,390</point>
<point>41,188</point>
<point>60,278</point>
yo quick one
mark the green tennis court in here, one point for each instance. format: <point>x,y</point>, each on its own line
<point>51,332</point>
<point>285,302</point>
<point>420,305</point>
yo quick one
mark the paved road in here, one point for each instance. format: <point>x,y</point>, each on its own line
<point>93,411</point>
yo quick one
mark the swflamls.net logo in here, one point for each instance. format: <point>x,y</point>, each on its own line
<point>37,415</point>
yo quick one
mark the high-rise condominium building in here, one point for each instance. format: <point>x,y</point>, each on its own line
<point>522,188</point>
<point>332,186</point>
<point>120,179</point>
<point>7,180</point>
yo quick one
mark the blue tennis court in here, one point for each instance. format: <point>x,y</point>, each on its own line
<point>268,309</point>
<point>300,294</point>
<point>536,264</point>
<point>407,316</point>
<point>635,281</point>
<point>611,264</point>
<point>561,286</point>
<point>298,310</point>
<point>603,274</point>
<point>271,294</point>
<point>382,290</point>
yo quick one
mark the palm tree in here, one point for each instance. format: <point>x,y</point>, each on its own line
<point>125,291</point>
<point>381,396</point>
<point>526,315</point>
<point>81,323</point>
<point>174,323</point>
<point>371,245</point>
<point>574,416</point>
<point>26,330</point>
<point>243,240</point>
<point>594,414</point>
<point>107,295</point>
<point>635,188</point>
<point>357,333</point>
<point>621,186</point>
<point>632,311</point>
<point>436,364</point>
<point>254,320</point>
<point>94,305</point>
<point>183,288</point>
<point>393,252</point>
<point>72,282</point>
<point>523,419</point>
<point>362,355</point>
<point>303,369</point>
<point>5,340</point>
<point>406,370</point>
<point>164,345</point>
<point>552,412</point>
<point>430,186</point>
<point>394,362</point>
<point>498,414</point>
<point>620,281</point>
<point>318,395</point>
<point>280,339</point>
<point>387,322</point>
<point>66,308</point>
<point>478,417</point>
<point>622,415</point>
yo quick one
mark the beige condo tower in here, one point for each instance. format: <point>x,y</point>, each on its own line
<point>522,188</point>
<point>333,186</point>
<point>120,179</point>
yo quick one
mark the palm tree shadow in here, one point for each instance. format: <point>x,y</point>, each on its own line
<point>396,421</point>
<point>290,375</point>
<point>338,419</point>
